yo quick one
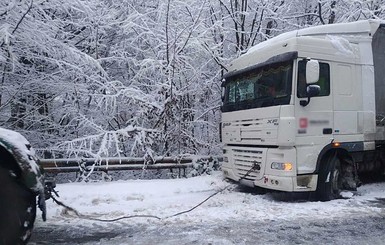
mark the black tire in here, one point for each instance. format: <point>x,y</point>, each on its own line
<point>329,180</point>
<point>17,210</point>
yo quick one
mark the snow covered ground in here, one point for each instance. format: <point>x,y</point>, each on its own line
<point>234,216</point>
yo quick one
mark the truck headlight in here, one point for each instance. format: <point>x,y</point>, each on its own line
<point>287,166</point>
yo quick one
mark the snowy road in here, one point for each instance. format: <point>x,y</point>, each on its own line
<point>231,217</point>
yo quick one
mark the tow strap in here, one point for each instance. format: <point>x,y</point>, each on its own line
<point>51,191</point>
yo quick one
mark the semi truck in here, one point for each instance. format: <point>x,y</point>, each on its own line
<point>305,111</point>
<point>22,188</point>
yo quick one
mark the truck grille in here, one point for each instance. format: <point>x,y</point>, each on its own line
<point>251,131</point>
<point>244,161</point>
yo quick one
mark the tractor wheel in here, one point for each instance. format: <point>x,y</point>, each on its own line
<point>17,210</point>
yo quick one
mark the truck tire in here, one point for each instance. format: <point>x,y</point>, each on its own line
<point>329,180</point>
<point>17,210</point>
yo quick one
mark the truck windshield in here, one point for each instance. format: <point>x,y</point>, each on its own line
<point>262,87</point>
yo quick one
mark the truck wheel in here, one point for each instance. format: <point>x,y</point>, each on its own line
<point>17,210</point>
<point>329,180</point>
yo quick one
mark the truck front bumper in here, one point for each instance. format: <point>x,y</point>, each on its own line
<point>301,183</point>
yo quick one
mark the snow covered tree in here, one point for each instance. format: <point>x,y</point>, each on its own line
<point>135,78</point>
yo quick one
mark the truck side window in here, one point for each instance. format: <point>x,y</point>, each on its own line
<point>323,82</point>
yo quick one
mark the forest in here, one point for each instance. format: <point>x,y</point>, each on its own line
<point>136,78</point>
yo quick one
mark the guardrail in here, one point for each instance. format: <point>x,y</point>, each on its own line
<point>117,164</point>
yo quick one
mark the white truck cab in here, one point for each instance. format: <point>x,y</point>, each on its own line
<point>305,111</point>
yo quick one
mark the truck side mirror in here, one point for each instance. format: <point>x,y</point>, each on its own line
<point>312,71</point>
<point>223,89</point>
<point>311,91</point>
<point>223,94</point>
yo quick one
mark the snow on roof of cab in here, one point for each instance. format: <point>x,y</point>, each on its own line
<point>13,137</point>
<point>17,144</point>
<point>363,27</point>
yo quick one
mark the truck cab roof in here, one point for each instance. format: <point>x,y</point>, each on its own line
<point>326,39</point>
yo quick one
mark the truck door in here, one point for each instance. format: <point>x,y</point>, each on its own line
<point>314,120</point>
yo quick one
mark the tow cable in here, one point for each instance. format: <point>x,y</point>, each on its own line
<point>50,191</point>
